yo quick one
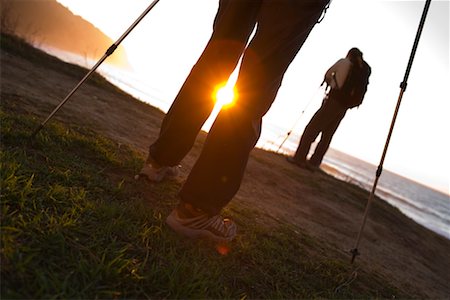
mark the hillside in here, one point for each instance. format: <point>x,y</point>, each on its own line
<point>76,225</point>
<point>48,23</point>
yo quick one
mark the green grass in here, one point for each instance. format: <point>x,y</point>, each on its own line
<point>74,224</point>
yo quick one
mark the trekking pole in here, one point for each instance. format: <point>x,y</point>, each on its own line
<point>298,120</point>
<point>108,52</point>
<point>403,85</point>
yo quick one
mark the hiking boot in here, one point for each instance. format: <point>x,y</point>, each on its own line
<point>200,225</point>
<point>312,167</point>
<point>298,163</point>
<point>156,173</point>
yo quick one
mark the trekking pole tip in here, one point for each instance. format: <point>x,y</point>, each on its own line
<point>36,131</point>
<point>354,253</point>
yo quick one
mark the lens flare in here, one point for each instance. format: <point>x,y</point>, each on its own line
<point>223,249</point>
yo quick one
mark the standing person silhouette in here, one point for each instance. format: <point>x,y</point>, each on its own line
<point>348,79</point>
<point>282,27</point>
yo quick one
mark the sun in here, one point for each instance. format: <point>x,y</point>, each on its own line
<point>225,95</point>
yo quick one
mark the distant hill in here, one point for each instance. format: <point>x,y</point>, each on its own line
<point>48,23</point>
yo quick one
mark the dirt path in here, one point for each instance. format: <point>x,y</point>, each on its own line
<point>409,255</point>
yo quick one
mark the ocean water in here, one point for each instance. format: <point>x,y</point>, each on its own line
<point>424,205</point>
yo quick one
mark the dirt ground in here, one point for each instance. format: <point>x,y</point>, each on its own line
<point>411,256</point>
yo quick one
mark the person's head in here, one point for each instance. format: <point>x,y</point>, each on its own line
<point>355,55</point>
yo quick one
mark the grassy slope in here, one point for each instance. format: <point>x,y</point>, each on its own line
<point>74,224</point>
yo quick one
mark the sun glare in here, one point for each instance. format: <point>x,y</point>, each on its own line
<point>225,95</point>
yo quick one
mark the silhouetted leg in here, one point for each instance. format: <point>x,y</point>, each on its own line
<point>327,135</point>
<point>233,25</point>
<point>312,130</point>
<point>216,176</point>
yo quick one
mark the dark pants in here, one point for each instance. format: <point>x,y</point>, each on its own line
<point>326,121</point>
<point>283,26</point>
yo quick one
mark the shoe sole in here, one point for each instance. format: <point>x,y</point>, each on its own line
<point>164,175</point>
<point>194,234</point>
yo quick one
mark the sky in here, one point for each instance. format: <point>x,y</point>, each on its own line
<point>165,45</point>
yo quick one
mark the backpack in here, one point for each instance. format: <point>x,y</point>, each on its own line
<point>352,92</point>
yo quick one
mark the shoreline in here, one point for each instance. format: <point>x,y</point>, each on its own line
<point>432,219</point>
